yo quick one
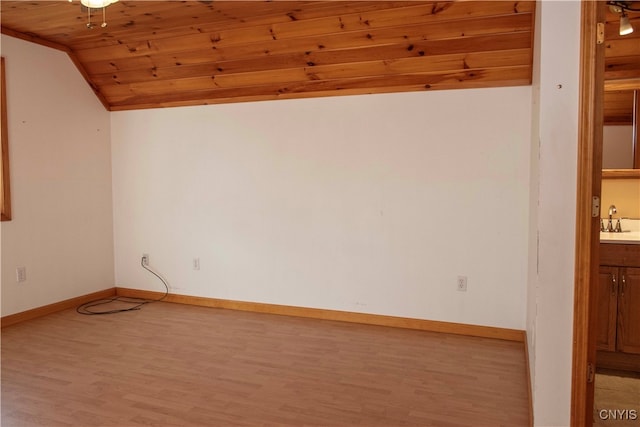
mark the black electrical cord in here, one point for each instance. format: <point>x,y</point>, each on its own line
<point>622,5</point>
<point>136,303</point>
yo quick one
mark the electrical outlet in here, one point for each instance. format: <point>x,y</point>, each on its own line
<point>462,283</point>
<point>21,274</point>
<point>145,259</point>
<point>196,263</point>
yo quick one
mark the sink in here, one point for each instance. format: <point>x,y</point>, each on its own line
<point>630,233</point>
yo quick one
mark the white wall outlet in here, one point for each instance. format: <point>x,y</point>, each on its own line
<point>21,274</point>
<point>196,263</point>
<point>462,283</point>
<point>145,259</point>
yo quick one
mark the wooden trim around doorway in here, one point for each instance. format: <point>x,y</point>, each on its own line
<point>587,231</point>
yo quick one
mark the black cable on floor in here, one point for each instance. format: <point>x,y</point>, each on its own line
<point>135,303</point>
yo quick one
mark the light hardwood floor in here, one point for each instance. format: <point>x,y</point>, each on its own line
<point>178,365</point>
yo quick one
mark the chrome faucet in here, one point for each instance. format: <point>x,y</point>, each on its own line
<point>610,228</point>
<point>612,210</point>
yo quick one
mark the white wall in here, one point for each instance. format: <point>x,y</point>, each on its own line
<point>361,203</point>
<point>534,194</point>
<point>59,146</point>
<point>551,278</point>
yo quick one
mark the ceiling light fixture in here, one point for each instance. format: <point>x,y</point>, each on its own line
<point>625,25</point>
<point>622,7</point>
<point>97,4</point>
<point>94,5</point>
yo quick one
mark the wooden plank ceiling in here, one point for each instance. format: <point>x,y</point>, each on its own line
<point>622,67</point>
<point>173,53</point>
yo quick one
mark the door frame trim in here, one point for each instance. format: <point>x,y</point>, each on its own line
<point>587,227</point>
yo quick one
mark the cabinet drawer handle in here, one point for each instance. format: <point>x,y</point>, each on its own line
<point>613,284</point>
<point>624,284</point>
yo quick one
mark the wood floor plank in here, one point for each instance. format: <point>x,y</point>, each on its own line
<point>172,364</point>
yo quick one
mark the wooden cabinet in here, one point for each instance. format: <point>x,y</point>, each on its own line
<point>618,299</point>
<point>628,340</point>
<point>619,309</point>
<point>607,308</point>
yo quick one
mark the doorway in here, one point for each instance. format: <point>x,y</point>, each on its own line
<point>590,146</point>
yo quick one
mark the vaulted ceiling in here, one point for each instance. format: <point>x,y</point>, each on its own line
<point>170,53</point>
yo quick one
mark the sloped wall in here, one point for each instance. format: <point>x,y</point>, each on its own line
<point>59,146</point>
